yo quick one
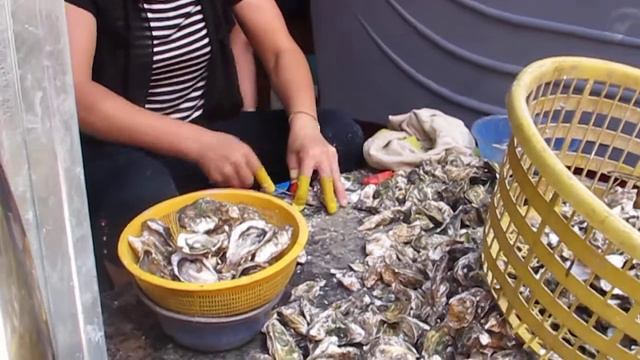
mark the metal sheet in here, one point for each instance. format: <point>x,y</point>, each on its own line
<point>40,149</point>
<point>24,332</point>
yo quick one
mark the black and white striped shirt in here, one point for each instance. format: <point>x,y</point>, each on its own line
<point>181,52</point>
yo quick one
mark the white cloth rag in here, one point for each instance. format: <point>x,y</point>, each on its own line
<point>436,132</point>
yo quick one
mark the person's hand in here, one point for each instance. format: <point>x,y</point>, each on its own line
<point>226,160</point>
<point>308,151</point>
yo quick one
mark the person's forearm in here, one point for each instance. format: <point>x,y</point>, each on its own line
<point>107,116</point>
<point>291,78</point>
<point>246,69</point>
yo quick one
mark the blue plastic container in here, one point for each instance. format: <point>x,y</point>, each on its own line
<point>210,335</point>
<point>492,133</point>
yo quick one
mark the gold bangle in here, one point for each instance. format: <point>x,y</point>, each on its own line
<point>293,113</point>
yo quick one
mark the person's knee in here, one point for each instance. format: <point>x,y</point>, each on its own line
<point>119,187</point>
<point>346,135</point>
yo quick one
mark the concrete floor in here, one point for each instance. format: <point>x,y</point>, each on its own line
<point>133,332</point>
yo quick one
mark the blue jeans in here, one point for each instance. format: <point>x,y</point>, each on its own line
<point>123,181</point>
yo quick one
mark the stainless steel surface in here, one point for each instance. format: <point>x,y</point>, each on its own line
<point>24,332</point>
<point>40,151</point>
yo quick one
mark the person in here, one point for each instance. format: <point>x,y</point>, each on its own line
<point>159,105</point>
<point>246,67</point>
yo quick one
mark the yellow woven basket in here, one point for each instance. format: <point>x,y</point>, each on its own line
<point>576,135</point>
<point>226,298</point>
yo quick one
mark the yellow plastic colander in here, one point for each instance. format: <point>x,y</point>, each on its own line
<point>226,298</point>
<point>576,135</point>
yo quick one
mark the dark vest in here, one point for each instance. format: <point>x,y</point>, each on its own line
<point>123,56</point>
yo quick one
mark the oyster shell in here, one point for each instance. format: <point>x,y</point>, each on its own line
<point>280,343</point>
<point>357,267</point>
<point>396,275</point>
<point>404,233</point>
<point>328,349</point>
<point>302,258</point>
<point>309,311</point>
<point>348,279</point>
<point>378,245</point>
<point>195,269</point>
<point>496,323</point>
<point>467,270</point>
<point>292,316</point>
<point>437,343</point>
<point>462,310</point>
<point>257,356</point>
<point>473,337</point>
<point>325,322</point>
<point>412,329</point>
<point>511,355</point>
<point>436,211</point>
<point>477,196</point>
<point>386,347</point>
<point>308,290</point>
<point>332,323</point>
<point>384,218</point>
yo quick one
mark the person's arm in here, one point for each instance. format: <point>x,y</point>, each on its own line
<point>283,60</point>
<point>290,76</point>
<point>108,116</point>
<point>246,67</point>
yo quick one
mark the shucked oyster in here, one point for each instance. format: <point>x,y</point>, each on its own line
<point>280,343</point>
<point>217,241</point>
<point>245,239</point>
<point>152,263</point>
<point>156,235</point>
<point>206,215</point>
<point>275,246</point>
<point>160,231</point>
<point>199,217</point>
<point>249,268</point>
<point>197,243</point>
<point>193,268</point>
<point>153,249</point>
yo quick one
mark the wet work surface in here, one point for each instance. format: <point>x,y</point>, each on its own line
<point>133,332</point>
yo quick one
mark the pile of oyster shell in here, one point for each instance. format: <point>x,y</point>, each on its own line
<point>622,201</point>
<point>215,241</point>
<point>418,290</point>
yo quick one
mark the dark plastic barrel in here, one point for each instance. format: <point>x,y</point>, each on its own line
<point>378,57</point>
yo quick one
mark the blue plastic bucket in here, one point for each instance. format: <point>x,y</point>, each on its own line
<point>492,133</point>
